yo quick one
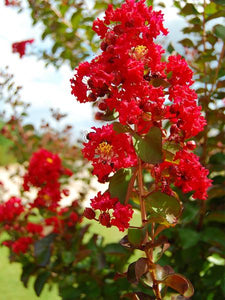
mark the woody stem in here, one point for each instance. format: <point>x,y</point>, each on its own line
<point>149,252</point>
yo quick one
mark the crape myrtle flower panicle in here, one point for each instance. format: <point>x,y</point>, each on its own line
<point>109,151</point>
<point>20,47</point>
<point>45,168</point>
<point>112,212</point>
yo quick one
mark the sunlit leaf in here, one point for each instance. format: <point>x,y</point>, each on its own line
<point>163,209</point>
<point>149,147</point>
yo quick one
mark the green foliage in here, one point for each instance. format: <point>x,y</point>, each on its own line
<point>119,182</point>
<point>163,209</point>
<point>149,148</point>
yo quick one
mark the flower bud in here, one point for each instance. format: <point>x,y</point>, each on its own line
<point>191,145</point>
<point>104,219</point>
<point>89,213</point>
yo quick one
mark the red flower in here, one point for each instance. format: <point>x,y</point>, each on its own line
<point>45,168</point>
<point>89,213</point>
<point>11,209</point>
<point>191,175</point>
<point>49,196</point>
<point>55,222</point>
<point>103,202</point>
<point>73,219</point>
<point>184,112</point>
<point>121,213</point>
<point>20,47</point>
<point>21,245</point>
<point>109,151</point>
<point>34,228</point>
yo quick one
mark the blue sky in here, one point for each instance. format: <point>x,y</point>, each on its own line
<point>47,87</point>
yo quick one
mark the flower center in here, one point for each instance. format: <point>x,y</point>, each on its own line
<point>104,149</point>
<point>49,160</point>
<point>140,51</point>
<point>46,197</point>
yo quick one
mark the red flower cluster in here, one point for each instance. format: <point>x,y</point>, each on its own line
<point>21,245</point>
<point>129,79</point>
<point>11,209</point>
<point>109,151</point>
<point>190,175</point>
<point>25,233</point>
<point>44,172</point>
<point>20,47</point>
<point>185,172</point>
<point>121,214</point>
<point>63,219</point>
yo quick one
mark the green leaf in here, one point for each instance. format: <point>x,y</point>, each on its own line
<point>211,8</point>
<point>29,127</point>
<point>149,147</point>
<point>161,4</point>
<point>149,2</point>
<point>76,18</point>
<point>216,191</point>
<point>118,127</point>
<point>27,271</point>
<point>42,249</point>
<point>213,236</point>
<point>100,5</point>
<point>187,43</point>
<point>156,82</point>
<point>170,48</point>
<point>215,217</point>
<point>189,9</point>
<point>136,236</point>
<point>40,282</point>
<point>119,182</point>
<point>141,267</point>
<point>163,209</point>
<point>179,283</point>
<point>131,276</point>
<point>115,249</point>
<point>220,2</point>
<point>70,293</point>
<point>137,269</point>
<point>188,237</point>
<point>219,31</point>
<point>68,257</point>
<point>216,15</point>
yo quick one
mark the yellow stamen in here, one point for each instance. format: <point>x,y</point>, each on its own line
<point>49,160</point>
<point>104,148</point>
<point>46,197</point>
<point>140,51</point>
